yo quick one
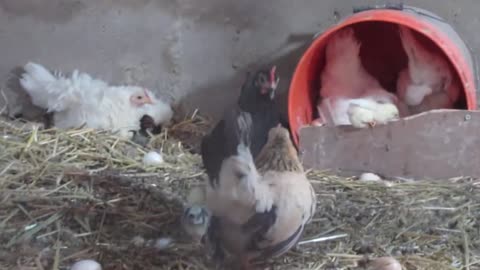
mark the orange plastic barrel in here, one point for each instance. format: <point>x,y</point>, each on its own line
<point>382,55</point>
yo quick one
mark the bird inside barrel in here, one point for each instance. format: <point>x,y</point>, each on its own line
<point>348,91</point>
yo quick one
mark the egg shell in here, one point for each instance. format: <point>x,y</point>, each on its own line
<point>152,158</point>
<point>370,177</point>
<point>86,265</point>
<point>163,243</point>
<point>384,263</point>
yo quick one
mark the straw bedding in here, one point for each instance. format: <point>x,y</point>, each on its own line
<point>70,195</point>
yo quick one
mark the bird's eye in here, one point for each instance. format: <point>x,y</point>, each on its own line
<point>262,79</point>
<point>139,97</point>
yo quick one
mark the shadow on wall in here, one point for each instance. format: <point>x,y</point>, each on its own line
<point>215,98</point>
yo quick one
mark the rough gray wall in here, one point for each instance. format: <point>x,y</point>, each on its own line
<point>198,51</point>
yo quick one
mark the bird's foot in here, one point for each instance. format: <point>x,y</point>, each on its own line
<point>372,124</point>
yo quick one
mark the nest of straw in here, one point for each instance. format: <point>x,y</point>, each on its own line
<point>70,195</point>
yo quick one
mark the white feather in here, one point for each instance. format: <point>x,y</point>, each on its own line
<point>426,73</point>
<point>344,74</point>
<point>82,100</point>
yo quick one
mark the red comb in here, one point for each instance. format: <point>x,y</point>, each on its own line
<point>272,73</point>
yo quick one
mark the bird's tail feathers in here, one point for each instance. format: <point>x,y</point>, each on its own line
<point>35,77</point>
<point>343,55</point>
<point>410,44</point>
<point>244,128</point>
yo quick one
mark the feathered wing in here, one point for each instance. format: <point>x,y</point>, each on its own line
<point>274,233</point>
<point>344,73</point>
<point>241,167</point>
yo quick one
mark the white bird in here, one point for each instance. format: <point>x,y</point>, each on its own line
<point>426,73</point>
<point>344,74</point>
<point>345,82</point>
<point>360,117</point>
<point>385,113</point>
<point>82,100</point>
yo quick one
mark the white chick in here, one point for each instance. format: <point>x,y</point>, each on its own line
<point>82,100</point>
<point>360,117</point>
<point>370,113</point>
<point>339,110</point>
<point>425,74</point>
<point>385,113</point>
<point>344,74</point>
<point>86,265</point>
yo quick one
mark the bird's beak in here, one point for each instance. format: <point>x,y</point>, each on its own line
<point>273,81</point>
<point>148,99</point>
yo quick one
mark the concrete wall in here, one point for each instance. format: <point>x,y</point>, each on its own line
<point>195,51</point>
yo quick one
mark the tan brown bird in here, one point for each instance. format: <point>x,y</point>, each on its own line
<point>259,213</point>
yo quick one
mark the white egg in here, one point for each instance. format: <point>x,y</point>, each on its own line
<point>369,177</point>
<point>86,265</point>
<point>138,241</point>
<point>152,158</point>
<point>384,263</point>
<point>163,243</point>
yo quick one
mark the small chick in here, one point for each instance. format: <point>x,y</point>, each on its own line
<point>376,113</point>
<point>360,117</point>
<point>259,213</point>
<point>385,113</point>
<point>196,217</point>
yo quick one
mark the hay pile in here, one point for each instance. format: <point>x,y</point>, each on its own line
<point>79,194</point>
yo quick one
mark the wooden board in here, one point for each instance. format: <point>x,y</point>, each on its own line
<point>432,145</point>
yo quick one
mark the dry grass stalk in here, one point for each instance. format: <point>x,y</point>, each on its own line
<point>66,195</point>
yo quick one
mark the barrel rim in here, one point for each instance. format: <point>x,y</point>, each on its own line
<point>407,19</point>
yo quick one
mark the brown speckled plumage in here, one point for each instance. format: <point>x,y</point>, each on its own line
<point>278,154</point>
